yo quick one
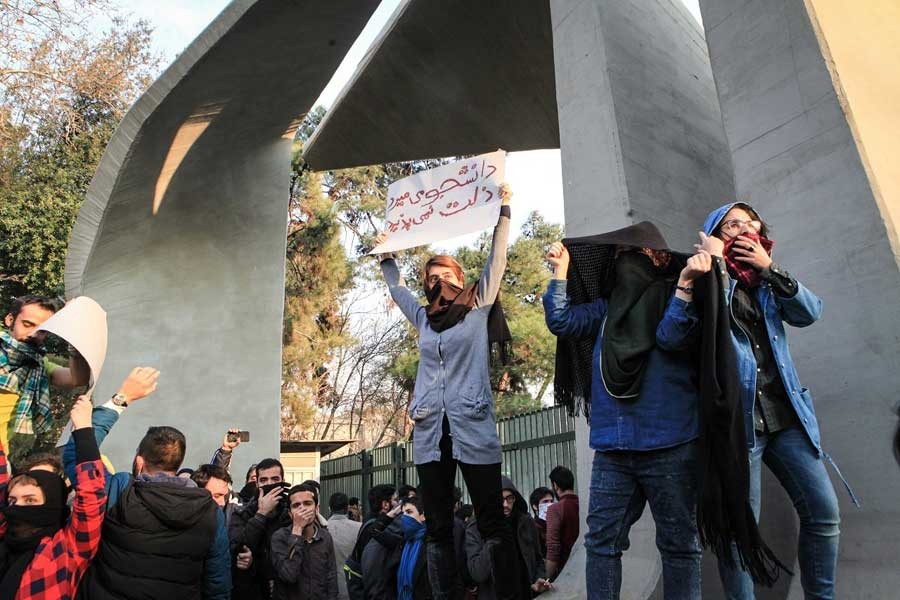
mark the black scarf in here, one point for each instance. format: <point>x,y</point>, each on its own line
<point>26,527</point>
<point>592,275</point>
<point>636,305</point>
<point>449,304</point>
<point>724,515</point>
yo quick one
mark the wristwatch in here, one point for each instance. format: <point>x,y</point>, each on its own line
<point>120,400</point>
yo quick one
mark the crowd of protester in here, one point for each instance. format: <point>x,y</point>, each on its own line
<point>662,351</point>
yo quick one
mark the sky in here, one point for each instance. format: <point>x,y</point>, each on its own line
<point>535,176</point>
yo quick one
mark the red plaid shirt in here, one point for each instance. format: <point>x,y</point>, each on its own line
<point>60,561</point>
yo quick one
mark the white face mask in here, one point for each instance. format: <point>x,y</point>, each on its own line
<point>542,510</point>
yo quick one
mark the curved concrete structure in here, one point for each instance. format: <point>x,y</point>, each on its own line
<point>444,79</point>
<point>182,235</point>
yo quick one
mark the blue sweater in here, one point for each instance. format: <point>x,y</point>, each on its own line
<point>665,413</point>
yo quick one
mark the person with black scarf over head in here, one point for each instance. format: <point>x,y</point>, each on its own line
<point>605,305</point>
<point>43,552</point>
<point>453,405</point>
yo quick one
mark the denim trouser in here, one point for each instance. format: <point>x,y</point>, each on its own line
<point>622,482</point>
<point>802,474</point>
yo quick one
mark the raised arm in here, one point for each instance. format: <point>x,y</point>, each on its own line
<point>492,275</point>
<point>82,532</point>
<point>222,456</point>
<point>563,319</point>
<point>799,306</point>
<point>405,300</point>
<point>141,382</point>
<point>680,325</point>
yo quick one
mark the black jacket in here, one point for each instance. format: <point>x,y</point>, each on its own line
<point>381,557</point>
<point>154,543</point>
<point>478,553</point>
<point>250,528</point>
<point>421,584</point>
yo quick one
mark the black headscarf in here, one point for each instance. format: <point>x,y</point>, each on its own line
<point>637,303</point>
<point>448,304</point>
<point>724,515</point>
<point>27,526</point>
<point>592,275</point>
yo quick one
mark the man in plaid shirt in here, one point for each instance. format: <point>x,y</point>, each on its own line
<point>43,556</point>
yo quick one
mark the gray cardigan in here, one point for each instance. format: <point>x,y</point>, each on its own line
<point>454,373</point>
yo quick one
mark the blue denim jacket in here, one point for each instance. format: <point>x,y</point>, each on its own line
<point>801,310</point>
<point>454,371</point>
<point>664,415</point>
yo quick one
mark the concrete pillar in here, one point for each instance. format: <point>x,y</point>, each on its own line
<point>798,144</point>
<point>641,138</point>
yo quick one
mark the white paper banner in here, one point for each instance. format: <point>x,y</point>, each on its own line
<point>82,323</point>
<point>444,202</point>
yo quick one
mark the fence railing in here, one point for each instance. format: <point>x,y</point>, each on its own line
<point>533,443</point>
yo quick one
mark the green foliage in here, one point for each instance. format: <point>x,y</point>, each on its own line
<point>520,385</point>
<point>39,205</point>
<point>317,275</point>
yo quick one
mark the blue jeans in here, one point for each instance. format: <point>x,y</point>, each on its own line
<point>621,484</point>
<point>801,472</point>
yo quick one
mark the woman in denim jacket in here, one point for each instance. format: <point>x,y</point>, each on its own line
<point>453,406</point>
<point>779,419</point>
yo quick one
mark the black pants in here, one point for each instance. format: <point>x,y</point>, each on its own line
<point>436,481</point>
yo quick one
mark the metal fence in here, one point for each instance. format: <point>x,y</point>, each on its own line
<point>533,443</point>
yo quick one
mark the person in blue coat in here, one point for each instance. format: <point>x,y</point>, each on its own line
<point>642,399</point>
<point>453,405</point>
<point>779,418</point>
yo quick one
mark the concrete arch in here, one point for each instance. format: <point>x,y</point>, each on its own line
<point>182,235</point>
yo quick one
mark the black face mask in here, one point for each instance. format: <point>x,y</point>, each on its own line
<point>28,524</point>
<point>271,486</point>
<point>283,500</point>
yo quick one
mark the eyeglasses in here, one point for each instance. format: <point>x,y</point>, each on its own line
<point>735,224</point>
<point>509,499</point>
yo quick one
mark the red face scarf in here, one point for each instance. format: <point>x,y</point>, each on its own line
<point>746,274</point>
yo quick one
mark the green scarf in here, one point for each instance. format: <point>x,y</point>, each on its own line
<point>22,372</point>
<point>636,306</point>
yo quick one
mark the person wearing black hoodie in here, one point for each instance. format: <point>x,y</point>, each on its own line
<point>43,550</point>
<point>532,579</point>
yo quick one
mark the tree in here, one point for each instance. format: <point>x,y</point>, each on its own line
<point>52,54</point>
<point>63,90</point>
<point>520,386</point>
<point>39,204</point>
<point>318,274</point>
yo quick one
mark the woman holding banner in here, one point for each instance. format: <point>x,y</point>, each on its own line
<point>453,407</point>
